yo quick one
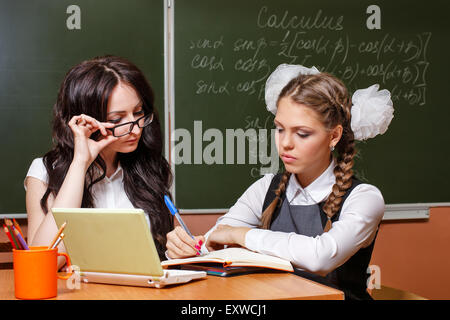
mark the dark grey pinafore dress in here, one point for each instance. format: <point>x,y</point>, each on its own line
<point>310,220</point>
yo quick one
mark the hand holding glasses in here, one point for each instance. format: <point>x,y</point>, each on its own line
<point>83,126</point>
<point>125,128</point>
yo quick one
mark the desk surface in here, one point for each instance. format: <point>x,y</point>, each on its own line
<point>257,286</point>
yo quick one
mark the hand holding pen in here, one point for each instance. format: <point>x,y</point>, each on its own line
<point>180,241</point>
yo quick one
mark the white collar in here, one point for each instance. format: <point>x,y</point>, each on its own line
<point>318,190</point>
<point>117,173</point>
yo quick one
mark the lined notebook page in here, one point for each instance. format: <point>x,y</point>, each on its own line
<point>237,256</point>
<point>241,255</point>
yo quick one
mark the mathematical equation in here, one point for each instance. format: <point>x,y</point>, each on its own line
<point>397,63</point>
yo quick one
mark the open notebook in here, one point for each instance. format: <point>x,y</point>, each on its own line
<point>229,259</point>
<point>115,246</point>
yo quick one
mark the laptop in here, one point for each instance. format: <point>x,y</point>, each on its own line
<point>115,246</point>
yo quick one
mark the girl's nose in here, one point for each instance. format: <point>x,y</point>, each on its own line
<point>136,130</point>
<point>286,141</point>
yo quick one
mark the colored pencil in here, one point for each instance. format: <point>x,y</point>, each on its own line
<point>57,235</point>
<point>9,226</point>
<point>58,241</point>
<point>9,236</point>
<point>17,226</point>
<point>21,240</point>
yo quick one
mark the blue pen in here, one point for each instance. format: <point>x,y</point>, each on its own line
<point>174,211</point>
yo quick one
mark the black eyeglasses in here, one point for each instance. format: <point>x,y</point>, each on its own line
<point>125,128</point>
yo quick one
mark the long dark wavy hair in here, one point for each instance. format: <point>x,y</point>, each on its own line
<point>86,89</point>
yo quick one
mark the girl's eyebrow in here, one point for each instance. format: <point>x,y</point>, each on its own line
<point>296,127</point>
<point>277,122</point>
<point>135,107</point>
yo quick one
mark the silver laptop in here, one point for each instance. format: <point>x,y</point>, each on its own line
<point>115,246</point>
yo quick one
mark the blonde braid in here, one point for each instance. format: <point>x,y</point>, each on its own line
<point>266,217</point>
<point>343,170</point>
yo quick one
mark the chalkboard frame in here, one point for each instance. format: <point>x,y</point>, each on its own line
<point>89,13</point>
<point>391,207</point>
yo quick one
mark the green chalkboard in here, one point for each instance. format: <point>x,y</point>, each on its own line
<point>39,42</point>
<point>224,51</point>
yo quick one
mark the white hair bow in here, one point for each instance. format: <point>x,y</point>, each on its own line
<point>372,110</point>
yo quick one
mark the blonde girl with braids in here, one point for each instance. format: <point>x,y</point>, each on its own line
<point>315,214</point>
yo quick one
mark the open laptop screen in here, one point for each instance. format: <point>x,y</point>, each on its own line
<point>109,240</point>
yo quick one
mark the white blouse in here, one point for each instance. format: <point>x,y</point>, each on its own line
<point>107,193</point>
<point>356,228</point>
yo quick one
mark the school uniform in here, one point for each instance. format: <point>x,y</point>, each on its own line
<point>339,257</point>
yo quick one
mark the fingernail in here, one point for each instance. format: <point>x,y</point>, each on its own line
<point>197,247</point>
<point>198,253</point>
<point>200,242</point>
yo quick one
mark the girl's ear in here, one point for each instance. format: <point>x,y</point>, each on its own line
<point>335,135</point>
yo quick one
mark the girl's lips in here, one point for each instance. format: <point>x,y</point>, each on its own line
<point>287,158</point>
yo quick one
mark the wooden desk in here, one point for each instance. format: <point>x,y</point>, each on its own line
<point>258,286</point>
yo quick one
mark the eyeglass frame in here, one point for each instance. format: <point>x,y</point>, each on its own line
<point>132,124</point>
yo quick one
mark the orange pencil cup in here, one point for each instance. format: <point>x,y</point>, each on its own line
<point>36,272</point>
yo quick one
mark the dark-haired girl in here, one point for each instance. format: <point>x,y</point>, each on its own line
<point>107,150</point>
<point>316,214</point>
